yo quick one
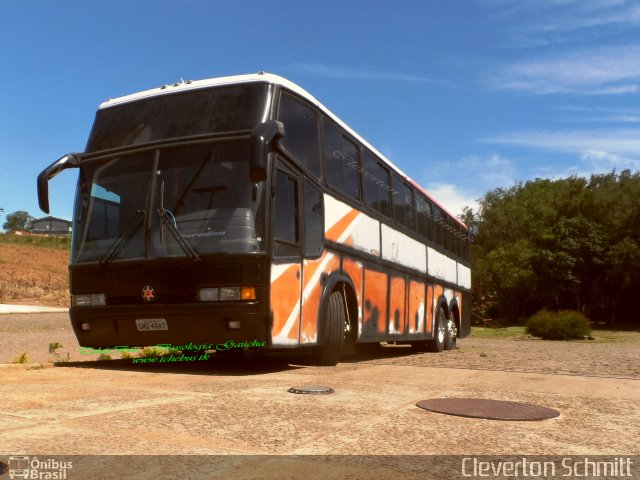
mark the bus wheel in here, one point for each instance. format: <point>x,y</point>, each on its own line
<point>438,343</point>
<point>450,335</point>
<point>335,327</point>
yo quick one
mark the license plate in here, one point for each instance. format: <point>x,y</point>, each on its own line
<point>149,324</point>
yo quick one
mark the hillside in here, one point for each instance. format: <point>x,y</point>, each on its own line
<point>34,270</point>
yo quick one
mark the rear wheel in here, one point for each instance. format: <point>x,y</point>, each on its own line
<point>334,331</point>
<point>438,343</point>
<point>450,335</point>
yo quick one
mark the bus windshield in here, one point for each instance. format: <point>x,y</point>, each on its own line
<point>185,201</point>
<point>183,114</point>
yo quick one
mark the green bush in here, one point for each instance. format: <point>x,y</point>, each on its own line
<point>563,325</point>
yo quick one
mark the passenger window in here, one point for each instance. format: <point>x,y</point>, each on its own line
<point>423,217</point>
<point>301,132</point>
<point>341,162</point>
<point>375,179</point>
<point>403,203</point>
<point>313,216</point>
<point>437,226</point>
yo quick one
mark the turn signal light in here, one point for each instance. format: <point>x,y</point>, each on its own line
<point>248,293</point>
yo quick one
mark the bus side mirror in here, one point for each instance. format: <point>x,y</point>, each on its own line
<point>72,160</point>
<point>261,138</point>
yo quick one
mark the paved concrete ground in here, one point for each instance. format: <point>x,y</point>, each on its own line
<point>235,406</point>
<point>7,308</point>
<point>226,406</point>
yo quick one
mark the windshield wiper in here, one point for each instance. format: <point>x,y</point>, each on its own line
<point>184,244</point>
<point>118,243</point>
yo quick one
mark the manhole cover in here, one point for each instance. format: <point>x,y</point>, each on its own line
<point>490,409</point>
<point>311,389</point>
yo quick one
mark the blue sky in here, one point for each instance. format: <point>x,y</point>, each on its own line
<point>464,96</point>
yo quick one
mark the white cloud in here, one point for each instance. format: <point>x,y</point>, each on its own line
<point>599,150</point>
<point>568,15</point>
<point>595,14</point>
<point>599,159</point>
<point>625,142</point>
<point>602,114</point>
<point>495,171</point>
<point>601,71</point>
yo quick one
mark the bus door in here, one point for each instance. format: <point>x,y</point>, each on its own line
<point>286,267</point>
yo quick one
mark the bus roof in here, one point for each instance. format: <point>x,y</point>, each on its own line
<point>272,79</point>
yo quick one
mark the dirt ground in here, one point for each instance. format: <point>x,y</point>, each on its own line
<point>34,275</point>
<point>241,407</point>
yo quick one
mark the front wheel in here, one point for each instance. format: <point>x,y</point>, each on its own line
<point>333,332</point>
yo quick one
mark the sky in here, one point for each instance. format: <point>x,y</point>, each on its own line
<point>464,96</point>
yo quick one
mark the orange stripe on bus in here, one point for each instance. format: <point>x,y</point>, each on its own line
<point>285,297</point>
<point>341,226</point>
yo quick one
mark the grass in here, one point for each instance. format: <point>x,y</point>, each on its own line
<point>513,333</point>
<point>53,347</point>
<point>149,352</point>
<point>22,359</point>
<point>57,243</point>
<point>519,333</point>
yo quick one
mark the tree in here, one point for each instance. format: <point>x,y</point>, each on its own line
<point>19,220</point>
<point>559,244</point>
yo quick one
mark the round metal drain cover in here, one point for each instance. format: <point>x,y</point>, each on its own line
<point>490,409</point>
<point>311,390</point>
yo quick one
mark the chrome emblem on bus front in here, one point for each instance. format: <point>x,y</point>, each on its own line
<point>148,293</point>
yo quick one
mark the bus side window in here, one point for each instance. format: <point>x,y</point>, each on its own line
<point>437,226</point>
<point>375,179</point>
<point>403,204</point>
<point>286,229</point>
<point>313,216</point>
<point>341,164</point>
<point>423,214</point>
<point>301,137</point>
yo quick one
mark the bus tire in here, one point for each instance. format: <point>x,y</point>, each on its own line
<point>450,335</point>
<point>330,351</point>
<point>440,332</point>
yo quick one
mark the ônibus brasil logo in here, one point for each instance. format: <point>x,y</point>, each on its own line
<point>33,467</point>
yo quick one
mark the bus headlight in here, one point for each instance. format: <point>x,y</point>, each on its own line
<point>227,294</point>
<point>208,295</point>
<point>89,300</point>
